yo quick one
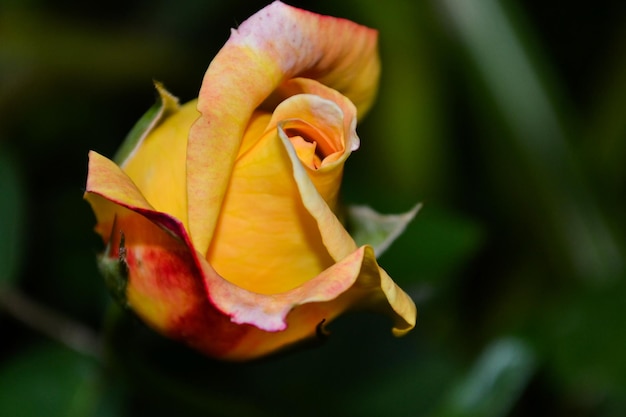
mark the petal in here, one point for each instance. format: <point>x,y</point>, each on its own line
<point>340,244</point>
<point>283,319</point>
<point>263,215</point>
<point>334,125</point>
<point>263,226</point>
<point>109,188</point>
<point>277,43</point>
<point>158,166</point>
<point>165,285</point>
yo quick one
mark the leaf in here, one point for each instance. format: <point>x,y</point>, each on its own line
<point>166,105</point>
<point>368,227</point>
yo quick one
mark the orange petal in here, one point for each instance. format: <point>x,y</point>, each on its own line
<point>277,43</point>
<point>335,119</point>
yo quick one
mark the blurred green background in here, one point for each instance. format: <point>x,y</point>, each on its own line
<point>506,119</point>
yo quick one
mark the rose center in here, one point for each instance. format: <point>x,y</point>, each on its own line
<point>313,146</point>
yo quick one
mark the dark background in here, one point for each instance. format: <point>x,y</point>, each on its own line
<point>506,119</point>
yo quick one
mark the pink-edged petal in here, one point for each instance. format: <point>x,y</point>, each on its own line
<point>277,43</point>
<point>107,180</point>
<point>283,319</point>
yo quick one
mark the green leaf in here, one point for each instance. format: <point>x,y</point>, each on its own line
<point>11,218</point>
<point>495,382</point>
<point>166,105</point>
<point>48,381</point>
<point>369,227</point>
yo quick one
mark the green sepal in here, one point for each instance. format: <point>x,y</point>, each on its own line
<point>115,273</point>
<point>166,105</point>
<point>368,227</point>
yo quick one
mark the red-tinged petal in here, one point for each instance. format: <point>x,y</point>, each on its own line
<point>277,43</point>
<point>165,284</point>
<point>107,180</point>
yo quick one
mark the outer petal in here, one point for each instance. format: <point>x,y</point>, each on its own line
<point>159,287</point>
<point>283,319</point>
<point>277,43</point>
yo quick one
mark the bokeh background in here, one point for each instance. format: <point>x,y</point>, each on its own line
<point>507,119</point>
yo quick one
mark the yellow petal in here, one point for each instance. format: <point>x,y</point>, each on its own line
<point>263,226</point>
<point>109,188</point>
<point>265,240</point>
<point>277,43</point>
<point>157,167</point>
<point>106,178</point>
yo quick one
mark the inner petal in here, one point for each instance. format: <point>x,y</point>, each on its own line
<point>323,122</point>
<point>307,152</point>
<point>314,146</point>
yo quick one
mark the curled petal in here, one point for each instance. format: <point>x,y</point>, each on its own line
<point>283,319</point>
<point>340,244</point>
<point>277,43</point>
<point>334,124</point>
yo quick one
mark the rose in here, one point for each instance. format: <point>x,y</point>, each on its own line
<point>221,222</point>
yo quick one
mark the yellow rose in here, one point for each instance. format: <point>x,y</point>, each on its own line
<point>221,219</point>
